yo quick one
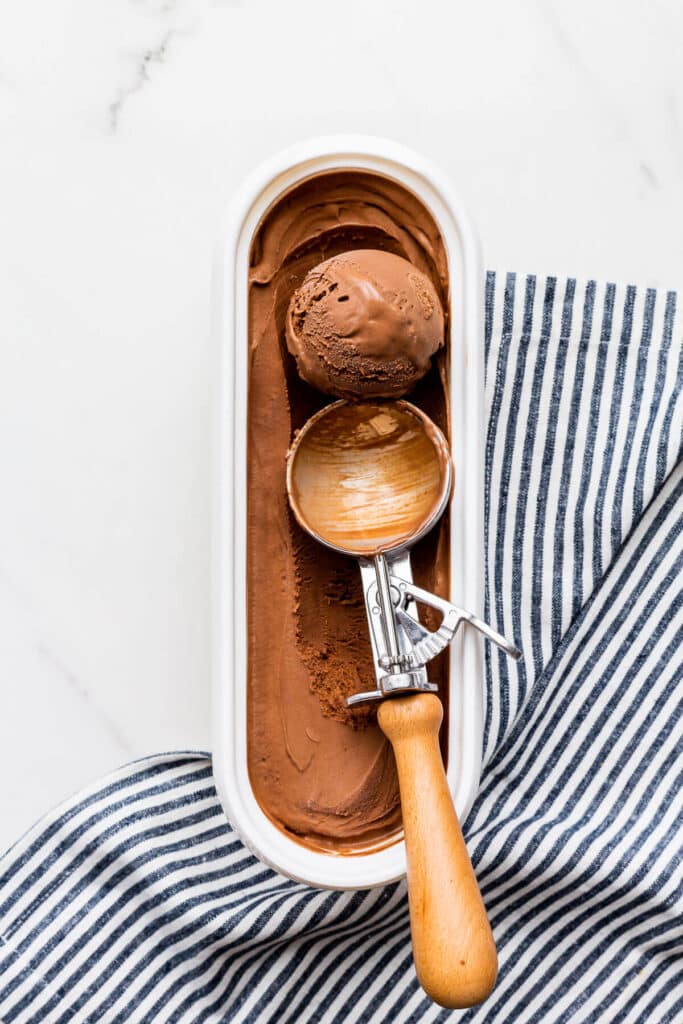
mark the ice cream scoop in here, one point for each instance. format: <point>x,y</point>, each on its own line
<point>364,324</point>
<point>369,479</point>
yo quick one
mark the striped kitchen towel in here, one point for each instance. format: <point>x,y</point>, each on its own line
<point>135,902</point>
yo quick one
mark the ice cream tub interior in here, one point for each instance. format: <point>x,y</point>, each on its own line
<point>309,783</point>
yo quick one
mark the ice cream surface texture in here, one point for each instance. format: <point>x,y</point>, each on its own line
<point>364,323</point>
<point>322,772</point>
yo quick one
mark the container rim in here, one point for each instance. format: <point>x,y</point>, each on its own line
<point>274,177</point>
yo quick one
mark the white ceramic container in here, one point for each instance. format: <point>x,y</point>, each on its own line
<point>229,655</point>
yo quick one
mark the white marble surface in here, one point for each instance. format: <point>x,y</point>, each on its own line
<point>125,126</point>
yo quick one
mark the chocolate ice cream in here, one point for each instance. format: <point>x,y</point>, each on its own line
<point>322,772</point>
<point>365,323</point>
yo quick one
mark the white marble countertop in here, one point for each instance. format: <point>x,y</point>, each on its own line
<point>125,126</point>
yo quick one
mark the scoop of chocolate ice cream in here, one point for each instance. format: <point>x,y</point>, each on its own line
<point>364,323</point>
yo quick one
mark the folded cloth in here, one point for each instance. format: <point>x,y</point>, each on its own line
<point>136,902</point>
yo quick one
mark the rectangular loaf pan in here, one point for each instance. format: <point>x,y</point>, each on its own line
<point>229,629</point>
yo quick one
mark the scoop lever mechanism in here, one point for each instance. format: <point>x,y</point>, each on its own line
<point>401,644</point>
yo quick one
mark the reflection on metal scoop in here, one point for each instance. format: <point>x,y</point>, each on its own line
<point>370,479</point>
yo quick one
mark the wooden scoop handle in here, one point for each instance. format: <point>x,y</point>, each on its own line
<point>453,947</point>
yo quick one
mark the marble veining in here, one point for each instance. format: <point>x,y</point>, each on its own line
<point>156,55</point>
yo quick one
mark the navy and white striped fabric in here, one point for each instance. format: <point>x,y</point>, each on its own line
<point>135,901</point>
